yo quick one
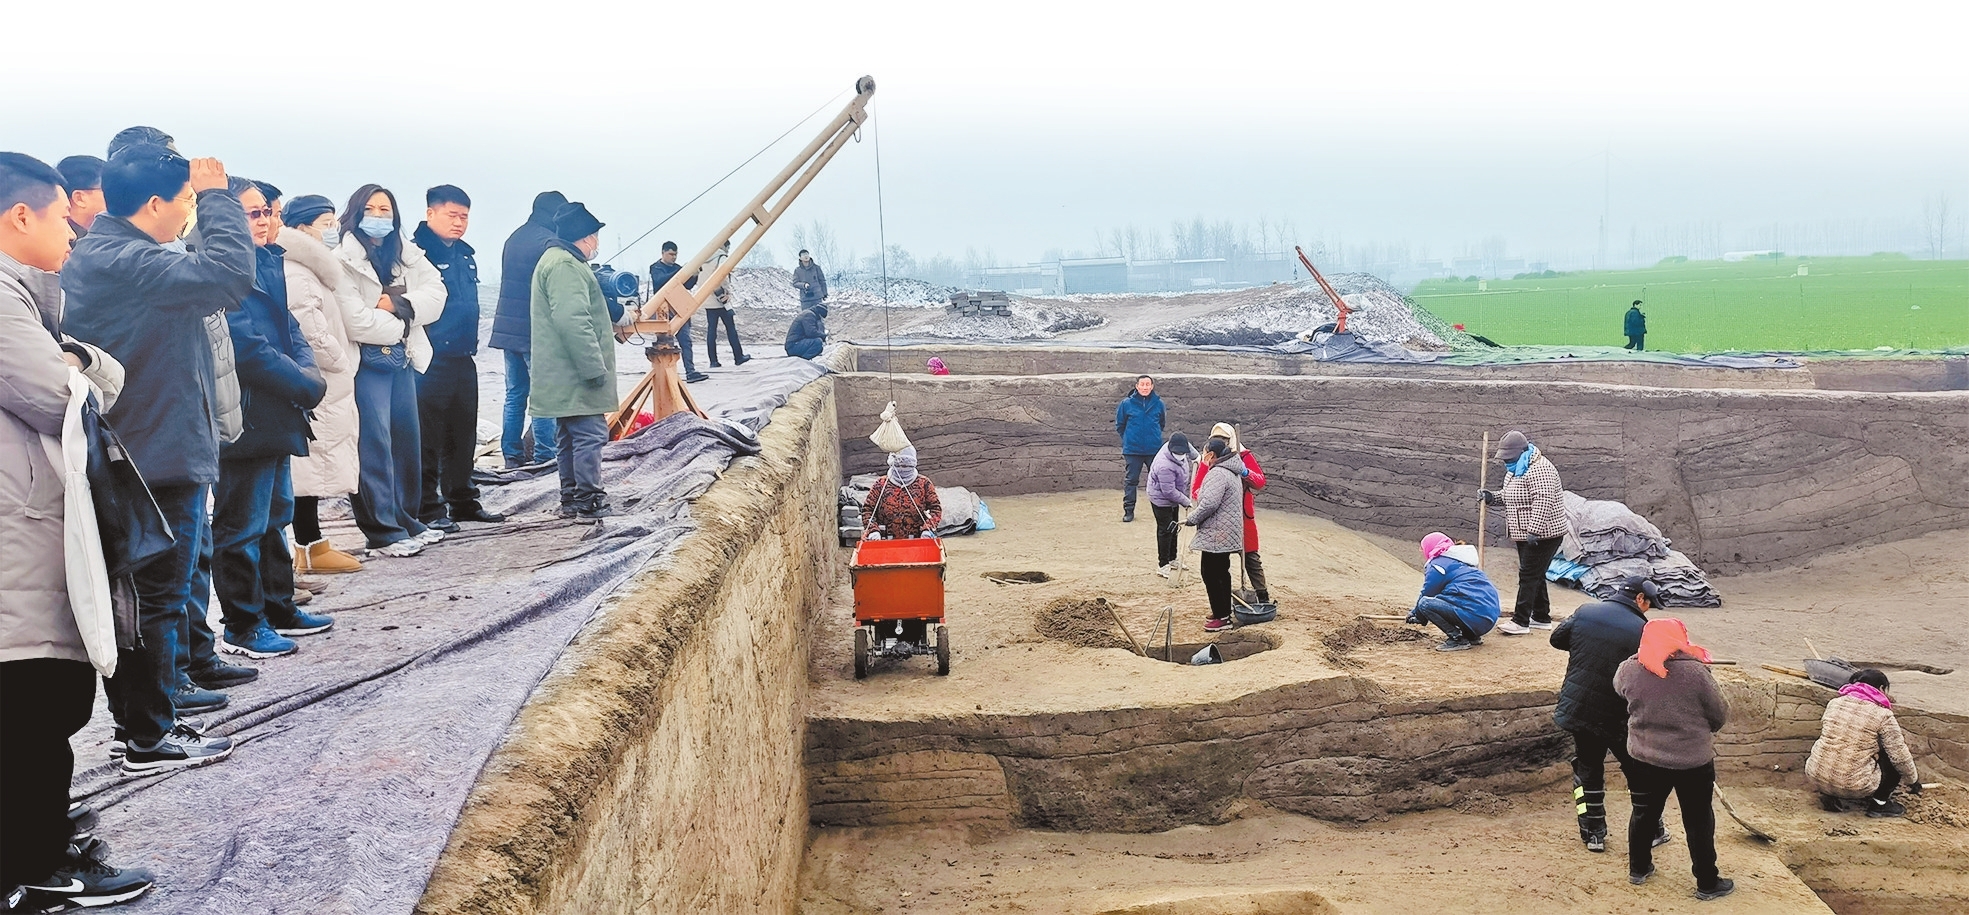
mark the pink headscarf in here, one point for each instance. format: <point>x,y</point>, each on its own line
<point>1867,692</point>
<point>1435,545</point>
<point>936,366</point>
<point>1663,639</point>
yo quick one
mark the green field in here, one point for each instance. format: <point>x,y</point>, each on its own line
<point>1843,303</point>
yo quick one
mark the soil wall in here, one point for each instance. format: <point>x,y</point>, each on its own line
<point>1738,479</point>
<point>658,768</point>
<point>1327,748</point>
<point>1949,373</point>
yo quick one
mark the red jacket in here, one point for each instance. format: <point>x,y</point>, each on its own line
<point>1252,483</point>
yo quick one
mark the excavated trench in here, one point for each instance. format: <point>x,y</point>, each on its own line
<point>629,784</point>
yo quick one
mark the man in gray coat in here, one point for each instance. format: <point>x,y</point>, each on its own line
<point>47,686</point>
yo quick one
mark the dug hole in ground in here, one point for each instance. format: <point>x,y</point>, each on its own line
<point>1343,766</point>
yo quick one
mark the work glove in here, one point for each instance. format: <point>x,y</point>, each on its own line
<point>1489,498</point>
<point>1413,620</point>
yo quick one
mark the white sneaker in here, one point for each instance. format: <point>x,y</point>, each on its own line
<point>429,536</point>
<point>1162,571</point>
<point>1535,624</point>
<point>1511,627</point>
<point>402,549</point>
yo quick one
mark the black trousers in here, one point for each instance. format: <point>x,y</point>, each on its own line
<point>1634,342</point>
<point>43,702</point>
<point>448,415</point>
<point>1131,479</point>
<point>1692,787</point>
<point>712,318</point>
<point>1589,778</point>
<point>1254,572</point>
<point>1534,603</point>
<point>1217,583</point>
<point>1890,778</point>
<point>1166,524</point>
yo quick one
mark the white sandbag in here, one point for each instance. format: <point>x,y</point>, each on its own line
<point>889,436</point>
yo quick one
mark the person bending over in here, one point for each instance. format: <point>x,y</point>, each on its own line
<point>1861,754</point>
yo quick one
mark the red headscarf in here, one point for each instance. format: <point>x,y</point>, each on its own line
<point>1662,639</point>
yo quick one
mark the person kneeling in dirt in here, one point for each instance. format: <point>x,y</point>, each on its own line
<point>1456,595</point>
<point>902,505</point>
<point>1597,637</point>
<point>1673,713</point>
<point>1219,526</point>
<point>1861,750</point>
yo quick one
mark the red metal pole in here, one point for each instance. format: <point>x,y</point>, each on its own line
<point>1340,326</point>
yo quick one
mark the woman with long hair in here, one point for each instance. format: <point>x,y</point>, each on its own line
<point>389,292</point>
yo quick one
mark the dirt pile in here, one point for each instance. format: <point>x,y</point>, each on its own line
<point>1946,806</point>
<point>1274,314</point>
<point>1036,319</point>
<point>1342,642</point>
<point>1079,622</point>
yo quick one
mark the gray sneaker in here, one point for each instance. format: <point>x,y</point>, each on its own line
<point>402,549</point>
<point>182,748</point>
<point>430,536</point>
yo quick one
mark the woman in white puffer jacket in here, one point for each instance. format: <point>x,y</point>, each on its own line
<point>384,311</point>
<point>329,470</point>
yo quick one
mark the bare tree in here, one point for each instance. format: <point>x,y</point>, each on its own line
<point>820,243</point>
<point>1935,224</point>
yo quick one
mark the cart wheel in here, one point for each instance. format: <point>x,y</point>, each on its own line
<point>943,650</point>
<point>861,652</point>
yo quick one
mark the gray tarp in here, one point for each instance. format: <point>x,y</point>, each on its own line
<point>356,755</point>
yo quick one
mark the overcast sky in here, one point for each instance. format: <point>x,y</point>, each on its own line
<point>1019,127</point>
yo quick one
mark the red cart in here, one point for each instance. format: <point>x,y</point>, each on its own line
<point>899,601</point>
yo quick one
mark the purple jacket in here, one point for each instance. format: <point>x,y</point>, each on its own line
<point>1169,479</point>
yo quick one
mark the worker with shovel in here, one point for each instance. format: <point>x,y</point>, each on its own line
<point>1597,637</point>
<point>1533,499</point>
<point>1167,494</point>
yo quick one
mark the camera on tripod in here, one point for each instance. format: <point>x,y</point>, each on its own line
<point>621,288</point>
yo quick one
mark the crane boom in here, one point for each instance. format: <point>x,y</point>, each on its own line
<point>670,307</point>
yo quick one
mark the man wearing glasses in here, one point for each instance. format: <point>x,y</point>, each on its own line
<point>145,305</point>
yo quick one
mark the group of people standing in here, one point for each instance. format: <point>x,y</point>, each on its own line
<point>255,355</point>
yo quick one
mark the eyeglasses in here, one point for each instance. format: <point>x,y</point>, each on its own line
<point>260,213</point>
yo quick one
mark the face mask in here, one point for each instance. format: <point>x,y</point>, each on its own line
<point>331,236</point>
<point>376,226</point>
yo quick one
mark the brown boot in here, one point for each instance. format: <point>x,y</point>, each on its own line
<point>322,558</point>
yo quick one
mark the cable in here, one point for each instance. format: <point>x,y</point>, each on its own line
<point>882,238</point>
<point>714,185</point>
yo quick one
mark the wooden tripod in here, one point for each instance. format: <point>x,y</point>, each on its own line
<point>670,307</point>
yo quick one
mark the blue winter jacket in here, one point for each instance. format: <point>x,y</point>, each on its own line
<point>145,305</point>
<point>456,331</point>
<point>278,381</point>
<point>1138,420</point>
<point>1455,578</point>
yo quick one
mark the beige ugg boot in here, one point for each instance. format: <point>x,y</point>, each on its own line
<point>322,558</point>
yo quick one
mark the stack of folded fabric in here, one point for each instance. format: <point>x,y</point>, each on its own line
<point>1609,542</point>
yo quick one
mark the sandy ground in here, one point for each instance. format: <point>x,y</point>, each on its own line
<point>1892,603</point>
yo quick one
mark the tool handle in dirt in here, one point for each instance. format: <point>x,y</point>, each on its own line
<point>1483,507</point>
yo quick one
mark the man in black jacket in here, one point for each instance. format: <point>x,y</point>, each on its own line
<point>809,332</point>
<point>512,330</point>
<point>254,500</point>
<point>1599,637</point>
<point>666,266</point>
<point>83,177</point>
<point>145,304</point>
<point>448,391</point>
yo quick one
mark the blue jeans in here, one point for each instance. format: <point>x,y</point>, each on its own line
<point>1443,614</point>
<point>1131,479</point>
<point>391,480</point>
<point>581,441</point>
<point>519,385</point>
<point>250,558</point>
<point>197,644</point>
<point>140,695</point>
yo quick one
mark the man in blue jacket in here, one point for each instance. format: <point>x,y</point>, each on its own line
<point>512,330</point>
<point>1456,595</point>
<point>1138,420</point>
<point>666,266</point>
<point>1635,326</point>
<point>254,500</point>
<point>448,391</point>
<point>1598,637</point>
<point>145,305</point>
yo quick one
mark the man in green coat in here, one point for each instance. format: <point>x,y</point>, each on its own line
<point>1635,327</point>
<point>574,360</point>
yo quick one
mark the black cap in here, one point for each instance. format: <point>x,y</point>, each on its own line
<point>573,222</point>
<point>1180,444</point>
<point>140,136</point>
<point>1641,585</point>
<point>545,205</point>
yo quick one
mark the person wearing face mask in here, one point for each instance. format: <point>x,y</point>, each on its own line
<point>574,360</point>
<point>389,292</point>
<point>144,303</point>
<point>309,235</point>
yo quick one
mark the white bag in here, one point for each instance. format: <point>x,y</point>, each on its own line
<point>888,436</point>
<point>82,544</point>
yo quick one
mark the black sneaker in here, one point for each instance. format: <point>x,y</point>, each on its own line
<point>1454,645</point>
<point>444,524</point>
<point>1596,842</point>
<point>1638,879</point>
<point>593,512</point>
<point>696,377</point>
<point>220,675</point>
<point>1724,887</point>
<point>191,700</point>
<point>1882,809</point>
<point>81,822</point>
<point>87,883</point>
<point>742,360</point>
<point>183,748</point>
<point>1127,514</point>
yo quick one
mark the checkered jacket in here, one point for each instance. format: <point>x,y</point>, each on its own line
<point>1535,504</point>
<point>1852,735</point>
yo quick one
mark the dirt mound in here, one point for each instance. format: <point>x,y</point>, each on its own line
<point>1342,642</point>
<point>1946,806</point>
<point>1080,622</point>
<point>1030,320</point>
<point>1481,803</point>
<point>1274,314</point>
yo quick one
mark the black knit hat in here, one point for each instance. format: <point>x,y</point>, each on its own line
<point>573,222</point>
<point>545,205</point>
<point>306,209</point>
<point>1513,445</point>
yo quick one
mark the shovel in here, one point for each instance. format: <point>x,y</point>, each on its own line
<point>1730,809</point>
<point>1179,570</point>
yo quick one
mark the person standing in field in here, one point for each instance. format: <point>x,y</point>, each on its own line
<point>1138,420</point>
<point>1635,327</point>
